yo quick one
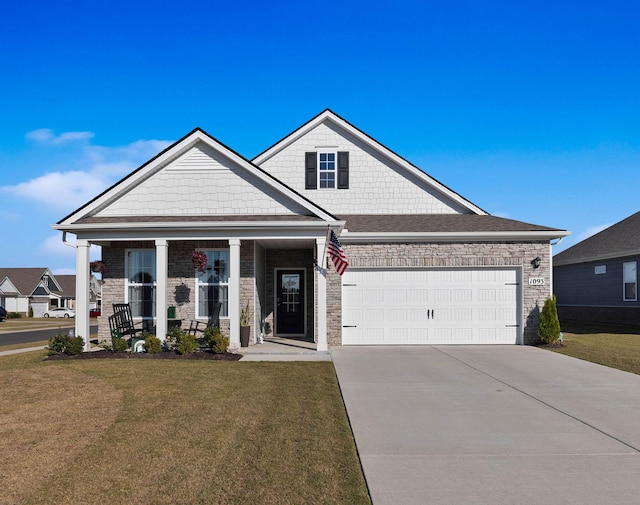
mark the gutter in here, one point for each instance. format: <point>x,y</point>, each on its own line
<point>355,237</point>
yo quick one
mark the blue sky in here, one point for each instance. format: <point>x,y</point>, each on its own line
<point>531,110</point>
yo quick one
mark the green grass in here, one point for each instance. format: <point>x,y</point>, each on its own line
<point>615,346</point>
<point>174,432</point>
<point>11,347</point>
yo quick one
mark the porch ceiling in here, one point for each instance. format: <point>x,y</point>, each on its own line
<point>287,243</point>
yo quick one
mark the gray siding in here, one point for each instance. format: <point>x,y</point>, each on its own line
<point>579,285</point>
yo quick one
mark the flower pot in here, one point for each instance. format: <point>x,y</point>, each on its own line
<point>244,336</point>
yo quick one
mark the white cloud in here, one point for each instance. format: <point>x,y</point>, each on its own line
<point>84,174</point>
<point>61,190</point>
<point>53,246</point>
<point>45,135</point>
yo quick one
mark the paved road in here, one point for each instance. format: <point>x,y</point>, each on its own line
<point>24,337</point>
<point>495,425</point>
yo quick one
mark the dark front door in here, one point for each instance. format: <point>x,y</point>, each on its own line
<point>290,302</point>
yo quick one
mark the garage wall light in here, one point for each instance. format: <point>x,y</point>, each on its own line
<point>536,262</point>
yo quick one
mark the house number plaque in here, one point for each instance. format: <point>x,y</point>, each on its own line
<point>536,281</point>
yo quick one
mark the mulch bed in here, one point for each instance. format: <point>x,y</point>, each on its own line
<point>200,355</point>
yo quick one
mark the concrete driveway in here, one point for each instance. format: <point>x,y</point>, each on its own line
<point>491,425</point>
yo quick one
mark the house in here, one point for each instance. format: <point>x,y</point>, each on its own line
<point>30,288</point>
<point>597,279</point>
<point>426,266</point>
<point>68,293</point>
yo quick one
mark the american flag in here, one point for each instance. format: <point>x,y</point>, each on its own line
<point>337,254</point>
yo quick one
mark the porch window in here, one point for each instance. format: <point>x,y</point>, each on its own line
<point>213,284</point>
<point>141,282</point>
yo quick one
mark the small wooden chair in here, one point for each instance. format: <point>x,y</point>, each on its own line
<point>121,323</point>
<point>213,320</point>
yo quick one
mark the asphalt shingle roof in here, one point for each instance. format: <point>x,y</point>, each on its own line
<point>621,239</point>
<point>24,279</point>
<point>436,223</point>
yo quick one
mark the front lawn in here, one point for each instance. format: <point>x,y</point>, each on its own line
<point>610,345</point>
<point>174,432</point>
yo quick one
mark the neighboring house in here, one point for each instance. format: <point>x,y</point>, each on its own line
<point>68,293</point>
<point>35,288</point>
<point>597,279</point>
<point>426,266</point>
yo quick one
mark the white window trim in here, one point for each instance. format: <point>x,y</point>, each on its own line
<point>600,269</point>
<point>197,283</point>
<point>127,284</point>
<point>624,281</point>
<point>334,171</point>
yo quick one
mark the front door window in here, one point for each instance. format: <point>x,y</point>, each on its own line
<point>290,302</point>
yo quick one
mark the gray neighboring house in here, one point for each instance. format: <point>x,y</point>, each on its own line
<point>426,265</point>
<point>597,279</point>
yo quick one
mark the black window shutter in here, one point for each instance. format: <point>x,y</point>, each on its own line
<point>343,170</point>
<point>311,170</point>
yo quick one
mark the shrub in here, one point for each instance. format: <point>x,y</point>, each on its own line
<point>119,344</point>
<point>75,345</point>
<point>215,340</point>
<point>30,311</point>
<point>173,337</point>
<point>549,325</point>
<point>180,341</point>
<point>152,344</point>
<point>187,343</point>
<point>14,315</point>
<point>62,344</point>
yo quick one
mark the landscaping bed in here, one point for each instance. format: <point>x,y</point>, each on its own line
<point>200,355</point>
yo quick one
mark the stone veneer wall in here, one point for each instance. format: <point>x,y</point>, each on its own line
<point>181,284</point>
<point>448,255</point>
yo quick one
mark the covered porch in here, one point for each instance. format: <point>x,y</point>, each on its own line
<point>273,275</point>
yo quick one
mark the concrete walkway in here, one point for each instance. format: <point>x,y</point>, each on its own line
<point>491,425</point>
<point>20,351</point>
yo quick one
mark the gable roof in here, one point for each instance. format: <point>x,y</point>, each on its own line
<point>25,280</point>
<point>171,153</point>
<point>619,240</point>
<point>68,285</point>
<point>329,116</point>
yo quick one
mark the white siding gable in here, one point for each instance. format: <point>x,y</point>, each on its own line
<point>201,182</point>
<point>376,184</point>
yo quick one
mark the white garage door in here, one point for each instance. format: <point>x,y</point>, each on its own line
<point>39,308</point>
<point>443,306</point>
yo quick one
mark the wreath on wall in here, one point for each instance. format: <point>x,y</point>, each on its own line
<point>199,261</point>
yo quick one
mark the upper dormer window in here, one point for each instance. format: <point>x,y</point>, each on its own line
<point>327,170</point>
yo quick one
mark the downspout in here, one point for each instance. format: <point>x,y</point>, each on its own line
<point>64,240</point>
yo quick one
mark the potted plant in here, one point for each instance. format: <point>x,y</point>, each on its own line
<point>97,266</point>
<point>245,326</point>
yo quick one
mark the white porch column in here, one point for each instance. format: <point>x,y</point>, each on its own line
<point>162,274</point>
<point>83,323</point>
<point>234,293</point>
<point>321,302</point>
